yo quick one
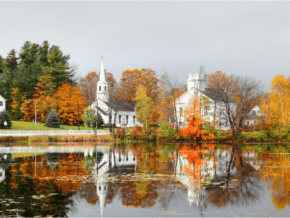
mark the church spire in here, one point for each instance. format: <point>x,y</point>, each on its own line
<point>102,85</point>
<point>102,73</point>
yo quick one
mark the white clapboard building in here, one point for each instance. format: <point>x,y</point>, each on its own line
<point>2,104</point>
<point>122,113</point>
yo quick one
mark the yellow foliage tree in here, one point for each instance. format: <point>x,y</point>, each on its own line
<point>277,105</point>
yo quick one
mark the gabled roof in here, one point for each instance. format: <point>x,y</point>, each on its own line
<point>119,105</point>
<point>2,98</point>
<point>101,110</point>
<point>217,95</point>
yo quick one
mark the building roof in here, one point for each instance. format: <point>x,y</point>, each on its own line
<point>2,98</point>
<point>217,95</point>
<point>101,110</point>
<point>119,105</point>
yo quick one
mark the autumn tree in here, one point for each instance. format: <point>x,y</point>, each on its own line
<point>144,106</point>
<point>276,107</point>
<point>17,100</point>
<point>70,104</point>
<point>194,128</point>
<point>132,79</point>
<point>245,91</point>
<point>43,98</point>
<point>88,86</point>
<point>173,90</point>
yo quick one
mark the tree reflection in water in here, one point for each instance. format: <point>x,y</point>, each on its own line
<point>211,177</point>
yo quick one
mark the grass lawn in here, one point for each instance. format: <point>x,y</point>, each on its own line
<point>22,125</point>
<point>17,155</point>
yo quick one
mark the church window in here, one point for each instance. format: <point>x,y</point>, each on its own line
<point>100,89</point>
<point>134,119</point>
<point>105,188</point>
<point>1,103</point>
<point>181,111</point>
<point>127,158</point>
<point>254,112</point>
<point>99,188</point>
<point>105,88</point>
<point>120,119</point>
<point>127,118</point>
<point>134,158</point>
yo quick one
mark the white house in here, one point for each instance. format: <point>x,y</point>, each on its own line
<point>123,112</point>
<point>197,88</point>
<point>251,118</point>
<point>2,104</point>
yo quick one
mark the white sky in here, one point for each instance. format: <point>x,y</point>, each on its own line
<point>243,38</point>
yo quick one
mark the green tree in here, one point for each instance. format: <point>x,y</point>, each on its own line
<point>89,118</point>
<point>58,67</point>
<point>100,121</point>
<point>5,117</point>
<point>144,105</point>
<point>1,66</point>
<point>52,120</point>
<point>43,54</point>
<point>10,66</point>
<point>29,70</point>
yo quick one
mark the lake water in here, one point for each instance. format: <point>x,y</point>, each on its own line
<point>145,180</point>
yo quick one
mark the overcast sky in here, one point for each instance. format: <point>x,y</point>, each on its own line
<point>242,38</point>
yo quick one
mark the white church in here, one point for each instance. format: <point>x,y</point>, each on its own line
<point>197,87</point>
<point>122,113</point>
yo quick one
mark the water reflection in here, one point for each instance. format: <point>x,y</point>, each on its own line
<point>50,181</point>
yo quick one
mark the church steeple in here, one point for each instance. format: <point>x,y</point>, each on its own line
<point>102,85</point>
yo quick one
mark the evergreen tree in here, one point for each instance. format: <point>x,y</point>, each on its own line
<point>100,121</point>
<point>29,70</point>
<point>58,66</point>
<point>43,54</point>
<point>5,117</point>
<point>52,120</point>
<point>1,66</point>
<point>10,66</point>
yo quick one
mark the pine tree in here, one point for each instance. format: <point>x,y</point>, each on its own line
<point>100,121</point>
<point>52,120</point>
<point>58,66</point>
<point>5,117</point>
<point>29,70</point>
<point>1,66</point>
<point>10,66</point>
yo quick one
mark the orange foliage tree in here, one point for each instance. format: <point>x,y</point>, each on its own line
<point>17,100</point>
<point>132,79</point>
<point>194,127</point>
<point>70,104</point>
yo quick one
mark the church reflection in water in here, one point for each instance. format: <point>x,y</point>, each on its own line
<point>142,176</point>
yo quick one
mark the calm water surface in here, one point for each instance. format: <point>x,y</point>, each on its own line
<point>145,180</point>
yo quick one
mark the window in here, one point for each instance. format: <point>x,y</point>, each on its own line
<point>205,111</point>
<point>105,188</point>
<point>248,123</point>
<point>120,119</point>
<point>127,158</point>
<point>134,119</point>
<point>127,118</point>
<point>254,112</point>
<point>99,188</point>
<point>134,158</point>
<point>105,88</point>
<point>258,111</point>
<point>1,103</point>
<point>100,88</point>
<point>180,111</point>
